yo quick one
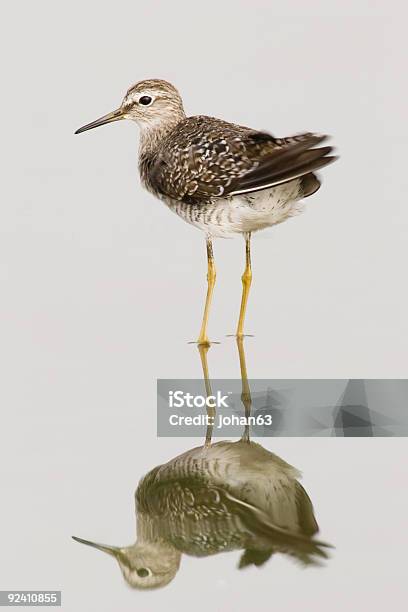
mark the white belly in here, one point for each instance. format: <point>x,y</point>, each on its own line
<point>224,217</point>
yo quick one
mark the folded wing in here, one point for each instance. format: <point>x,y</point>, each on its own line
<point>210,158</point>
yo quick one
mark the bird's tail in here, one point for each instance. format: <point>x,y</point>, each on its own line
<point>273,538</point>
<point>303,549</point>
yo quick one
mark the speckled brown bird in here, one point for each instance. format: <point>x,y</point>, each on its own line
<point>212,499</point>
<point>223,178</point>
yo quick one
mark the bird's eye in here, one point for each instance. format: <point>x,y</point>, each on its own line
<point>145,100</point>
<point>142,572</point>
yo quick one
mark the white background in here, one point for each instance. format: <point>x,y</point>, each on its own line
<point>102,286</point>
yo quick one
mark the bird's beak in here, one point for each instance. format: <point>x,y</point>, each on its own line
<point>115,115</point>
<point>111,550</point>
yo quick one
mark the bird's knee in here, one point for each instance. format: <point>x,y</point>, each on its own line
<point>211,276</point>
<point>247,277</point>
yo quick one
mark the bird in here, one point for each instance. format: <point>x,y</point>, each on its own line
<point>223,178</point>
<point>220,498</point>
<point>214,498</point>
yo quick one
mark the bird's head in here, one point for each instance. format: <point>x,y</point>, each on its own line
<point>144,566</point>
<point>151,103</point>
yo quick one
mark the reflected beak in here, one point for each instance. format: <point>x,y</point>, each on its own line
<point>111,550</point>
<point>115,115</point>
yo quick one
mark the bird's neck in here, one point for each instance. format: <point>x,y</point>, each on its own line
<point>151,139</point>
<point>147,528</point>
<point>152,134</point>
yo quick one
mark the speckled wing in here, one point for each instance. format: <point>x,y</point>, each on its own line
<point>201,519</point>
<point>205,158</point>
<point>190,497</point>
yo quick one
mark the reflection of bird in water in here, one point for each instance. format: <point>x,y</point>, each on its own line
<point>217,498</point>
<point>228,496</point>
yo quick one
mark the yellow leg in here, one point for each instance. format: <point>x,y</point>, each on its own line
<point>246,284</point>
<point>246,398</point>
<point>203,350</point>
<point>211,276</point>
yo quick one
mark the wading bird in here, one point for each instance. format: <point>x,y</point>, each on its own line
<point>218,498</point>
<point>212,499</point>
<point>223,178</point>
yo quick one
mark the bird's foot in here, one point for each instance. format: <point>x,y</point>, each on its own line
<point>203,342</point>
<point>240,336</point>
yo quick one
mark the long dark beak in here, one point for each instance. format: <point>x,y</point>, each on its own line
<point>111,550</point>
<point>115,115</point>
